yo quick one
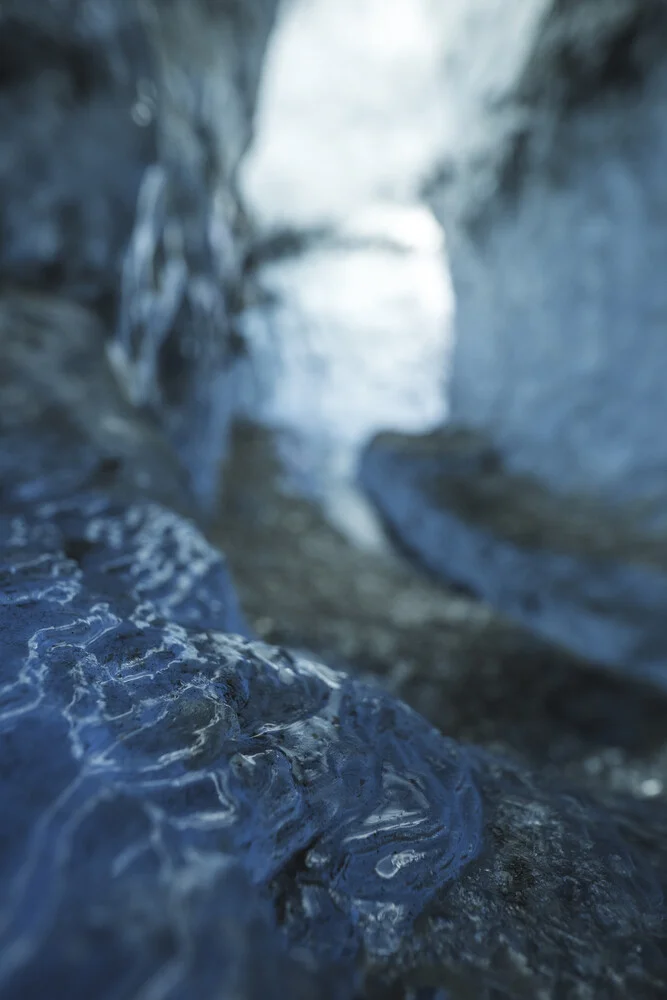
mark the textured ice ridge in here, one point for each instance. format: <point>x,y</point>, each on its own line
<point>157,756</point>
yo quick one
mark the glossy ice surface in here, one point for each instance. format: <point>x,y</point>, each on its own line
<point>152,772</point>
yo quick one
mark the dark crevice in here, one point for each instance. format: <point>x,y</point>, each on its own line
<point>77,549</point>
<point>26,53</point>
<point>569,71</point>
<point>514,166</point>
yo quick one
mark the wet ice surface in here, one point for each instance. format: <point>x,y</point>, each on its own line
<point>154,555</point>
<point>156,759</point>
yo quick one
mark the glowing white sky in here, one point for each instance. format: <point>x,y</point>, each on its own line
<point>360,98</point>
<point>359,338</point>
<point>349,111</point>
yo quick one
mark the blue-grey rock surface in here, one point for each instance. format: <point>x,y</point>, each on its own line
<point>121,130</point>
<point>72,154</point>
<point>553,202</point>
<point>570,571</point>
<point>175,346</point>
<point>186,812</point>
<point>180,805</point>
<point>474,674</point>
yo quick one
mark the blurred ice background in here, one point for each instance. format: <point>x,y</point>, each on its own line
<point>358,329</point>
